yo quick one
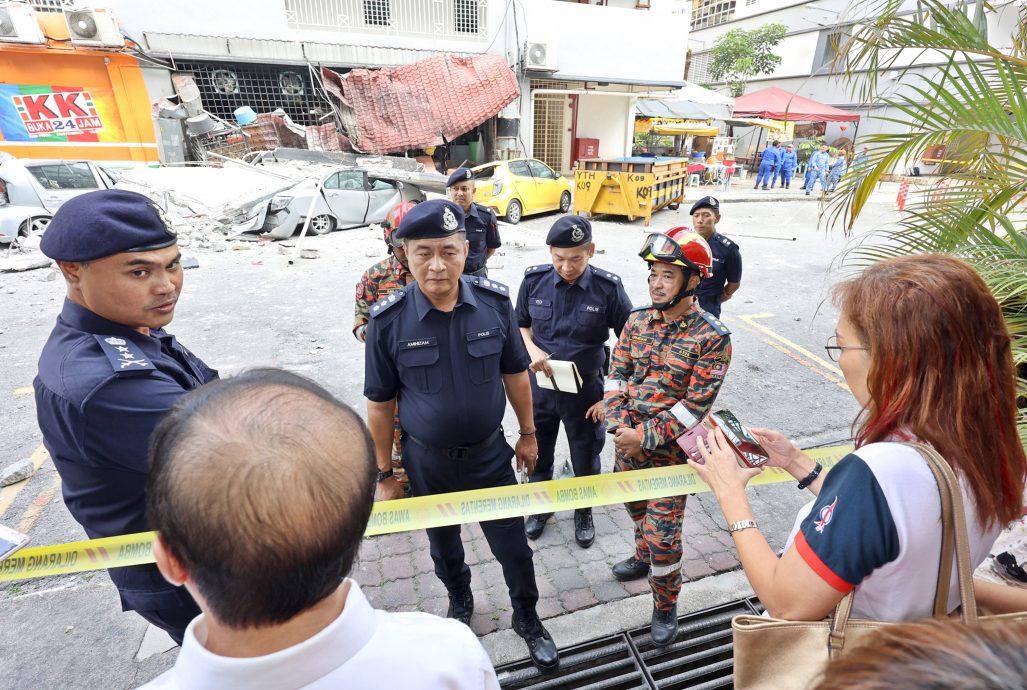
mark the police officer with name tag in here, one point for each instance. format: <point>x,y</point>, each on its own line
<point>109,372</point>
<point>447,349</point>
<point>566,310</point>
<point>727,257</point>
<point>479,222</point>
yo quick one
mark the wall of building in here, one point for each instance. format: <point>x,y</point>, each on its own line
<point>610,119</point>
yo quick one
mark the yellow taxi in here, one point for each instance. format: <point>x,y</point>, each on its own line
<point>520,187</point>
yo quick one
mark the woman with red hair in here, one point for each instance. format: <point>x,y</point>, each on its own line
<point>924,350</point>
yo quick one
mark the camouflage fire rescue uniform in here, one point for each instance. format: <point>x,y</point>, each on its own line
<point>378,282</point>
<point>655,364</point>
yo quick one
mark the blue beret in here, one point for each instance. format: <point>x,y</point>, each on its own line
<point>569,231</point>
<point>431,219</point>
<point>109,221</point>
<point>459,175</point>
<point>706,202</point>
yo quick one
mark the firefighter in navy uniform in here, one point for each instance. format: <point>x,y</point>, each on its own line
<point>109,372</point>
<point>479,223</point>
<point>447,349</point>
<point>566,310</point>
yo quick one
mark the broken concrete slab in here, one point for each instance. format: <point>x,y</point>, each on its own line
<point>23,262</point>
<point>190,262</point>
<point>17,472</point>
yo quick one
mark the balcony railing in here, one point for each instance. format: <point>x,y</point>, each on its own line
<point>440,19</point>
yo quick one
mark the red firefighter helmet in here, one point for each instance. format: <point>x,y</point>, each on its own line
<point>679,246</point>
<point>392,221</point>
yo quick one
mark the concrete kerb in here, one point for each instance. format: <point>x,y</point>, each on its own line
<point>505,646</point>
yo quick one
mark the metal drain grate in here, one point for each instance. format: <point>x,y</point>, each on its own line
<point>699,659</point>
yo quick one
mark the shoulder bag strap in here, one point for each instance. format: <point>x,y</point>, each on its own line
<point>941,596</point>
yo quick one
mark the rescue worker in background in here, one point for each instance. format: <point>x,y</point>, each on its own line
<point>818,168</point>
<point>769,164</point>
<point>109,373</point>
<point>379,281</point>
<point>789,161</point>
<point>669,352</point>
<point>727,258</point>
<point>448,350</point>
<point>480,222</point>
<point>566,310</point>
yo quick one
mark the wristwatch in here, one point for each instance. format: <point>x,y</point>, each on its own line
<point>385,474</point>
<point>740,525</point>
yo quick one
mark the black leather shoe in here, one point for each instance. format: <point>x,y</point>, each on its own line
<point>584,530</point>
<point>664,627</point>
<point>630,569</point>
<point>536,524</point>
<point>461,606</point>
<point>540,645</point>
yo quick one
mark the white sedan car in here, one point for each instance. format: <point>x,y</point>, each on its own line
<point>31,191</point>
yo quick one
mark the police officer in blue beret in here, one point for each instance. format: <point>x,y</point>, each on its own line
<point>566,310</point>
<point>447,350</point>
<point>479,222</point>
<point>109,373</point>
<point>727,257</point>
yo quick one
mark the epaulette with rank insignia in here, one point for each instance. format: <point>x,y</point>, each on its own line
<point>727,241</point>
<point>606,275</point>
<point>717,324</point>
<point>380,307</point>
<point>491,285</point>
<point>123,354</point>
<point>541,268</point>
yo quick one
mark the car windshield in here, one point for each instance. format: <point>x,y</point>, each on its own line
<point>63,175</point>
<point>486,173</point>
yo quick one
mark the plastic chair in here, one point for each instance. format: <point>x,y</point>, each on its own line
<point>725,181</point>
<point>695,172</point>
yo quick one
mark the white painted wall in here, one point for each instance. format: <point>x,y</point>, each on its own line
<point>608,119</point>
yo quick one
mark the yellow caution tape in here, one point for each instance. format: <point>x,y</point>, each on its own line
<point>439,510</point>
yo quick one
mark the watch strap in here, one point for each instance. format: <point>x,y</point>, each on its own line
<point>740,525</point>
<point>385,474</point>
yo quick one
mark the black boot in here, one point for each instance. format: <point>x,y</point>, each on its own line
<point>461,606</point>
<point>584,530</point>
<point>630,569</point>
<point>664,626</point>
<point>536,524</point>
<point>540,645</point>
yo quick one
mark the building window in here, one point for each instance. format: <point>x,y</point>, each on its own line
<point>48,5</point>
<point>377,12</point>
<point>707,13</point>
<point>699,67</point>
<point>829,45</point>
<point>465,16</point>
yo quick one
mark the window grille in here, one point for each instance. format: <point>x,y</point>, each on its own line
<point>441,19</point>
<point>712,12</point>
<point>548,123</point>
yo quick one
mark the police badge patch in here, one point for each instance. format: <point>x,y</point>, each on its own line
<point>449,221</point>
<point>577,234</point>
<point>164,218</point>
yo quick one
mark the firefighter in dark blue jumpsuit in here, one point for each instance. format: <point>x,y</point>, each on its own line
<point>566,310</point>
<point>109,372</point>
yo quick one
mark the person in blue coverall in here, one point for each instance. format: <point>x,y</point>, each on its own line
<point>817,169</point>
<point>768,165</point>
<point>789,161</point>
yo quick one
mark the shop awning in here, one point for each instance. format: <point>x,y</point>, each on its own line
<point>777,104</point>
<point>753,122</point>
<point>691,102</point>
<point>701,129</point>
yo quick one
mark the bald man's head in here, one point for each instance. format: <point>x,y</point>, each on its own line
<point>262,486</point>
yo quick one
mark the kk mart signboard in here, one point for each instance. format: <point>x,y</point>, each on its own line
<point>51,113</point>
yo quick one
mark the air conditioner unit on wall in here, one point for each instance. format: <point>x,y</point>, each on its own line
<point>93,26</point>
<point>541,57</point>
<point>18,24</point>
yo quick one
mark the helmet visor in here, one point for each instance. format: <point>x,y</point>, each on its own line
<point>658,247</point>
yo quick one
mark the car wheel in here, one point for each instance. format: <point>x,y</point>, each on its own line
<point>565,202</point>
<point>514,212</point>
<point>33,226</point>
<point>321,225</point>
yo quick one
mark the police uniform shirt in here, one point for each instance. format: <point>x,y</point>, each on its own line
<point>727,268</point>
<point>482,235</point>
<point>101,390</point>
<point>572,322</point>
<point>445,368</point>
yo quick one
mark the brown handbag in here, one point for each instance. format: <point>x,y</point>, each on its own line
<point>774,654</point>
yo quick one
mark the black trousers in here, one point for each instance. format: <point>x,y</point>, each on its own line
<point>173,620</point>
<point>585,437</point>
<point>434,472</point>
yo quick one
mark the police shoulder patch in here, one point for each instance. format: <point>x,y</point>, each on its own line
<point>123,354</point>
<point>717,324</point>
<point>491,286</point>
<point>385,303</point>
<point>605,275</point>
<point>541,268</point>
<point>727,241</point>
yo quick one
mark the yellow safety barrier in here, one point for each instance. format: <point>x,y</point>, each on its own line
<point>422,512</point>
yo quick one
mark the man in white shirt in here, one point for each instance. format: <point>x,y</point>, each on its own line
<point>261,488</point>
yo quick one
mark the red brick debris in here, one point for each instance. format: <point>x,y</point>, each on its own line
<point>417,105</point>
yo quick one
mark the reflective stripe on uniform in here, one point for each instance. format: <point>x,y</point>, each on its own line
<point>615,385</point>
<point>661,570</point>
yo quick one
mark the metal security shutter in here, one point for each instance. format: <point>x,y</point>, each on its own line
<point>548,123</point>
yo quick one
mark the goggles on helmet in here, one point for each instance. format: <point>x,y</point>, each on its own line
<point>662,249</point>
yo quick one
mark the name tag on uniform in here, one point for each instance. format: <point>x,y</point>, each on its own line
<point>592,308</point>
<point>421,342</point>
<point>541,302</point>
<point>485,333</point>
<point>685,352</point>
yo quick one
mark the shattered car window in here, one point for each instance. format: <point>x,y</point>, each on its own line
<point>63,176</point>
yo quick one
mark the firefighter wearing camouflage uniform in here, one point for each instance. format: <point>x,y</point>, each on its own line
<point>378,282</point>
<point>669,352</point>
